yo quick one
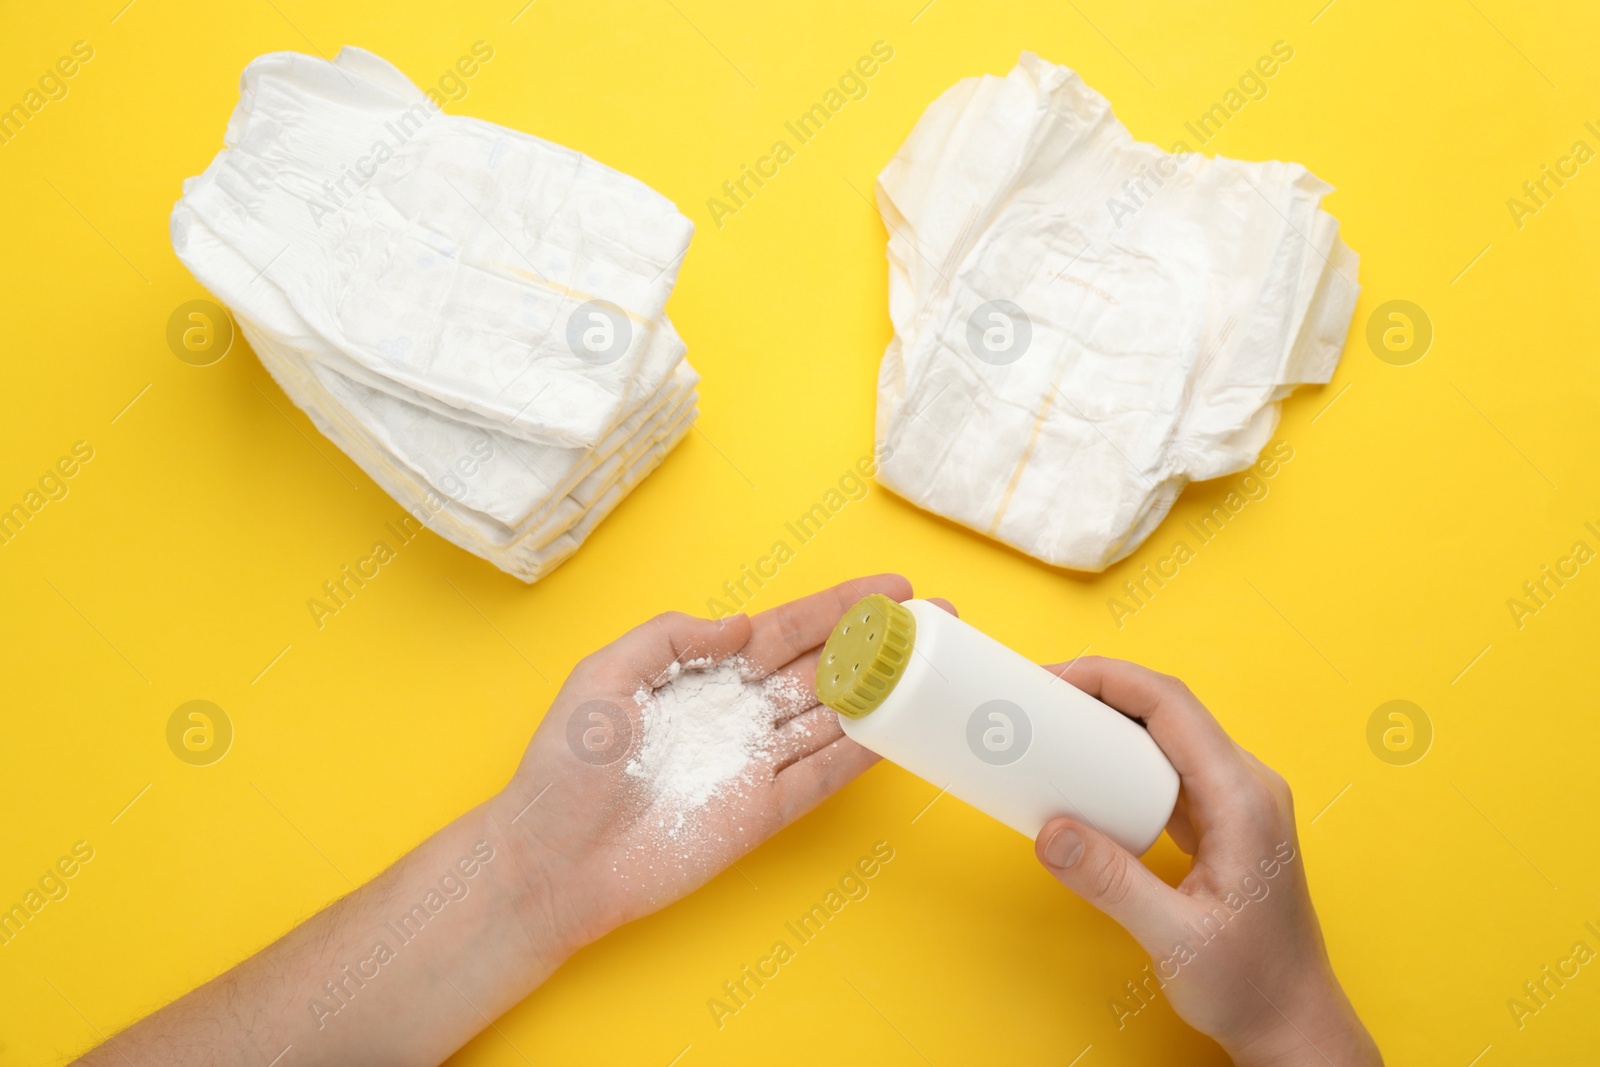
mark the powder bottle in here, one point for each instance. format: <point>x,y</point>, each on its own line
<point>951,704</point>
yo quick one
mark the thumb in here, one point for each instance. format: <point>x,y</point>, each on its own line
<point>1110,877</point>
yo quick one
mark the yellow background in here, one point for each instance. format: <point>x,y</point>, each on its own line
<point>1381,562</point>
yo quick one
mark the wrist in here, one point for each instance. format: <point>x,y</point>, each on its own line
<point>551,901</point>
<point>1310,1024</point>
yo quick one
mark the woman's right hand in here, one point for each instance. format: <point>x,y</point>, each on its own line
<point>1235,947</point>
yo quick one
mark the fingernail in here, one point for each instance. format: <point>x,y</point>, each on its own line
<point>1063,848</point>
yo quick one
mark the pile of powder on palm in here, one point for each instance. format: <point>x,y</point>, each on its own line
<point>704,728</point>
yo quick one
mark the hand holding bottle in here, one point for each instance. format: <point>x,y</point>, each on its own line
<point>1235,947</point>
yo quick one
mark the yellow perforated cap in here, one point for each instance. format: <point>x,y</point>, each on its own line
<point>865,655</point>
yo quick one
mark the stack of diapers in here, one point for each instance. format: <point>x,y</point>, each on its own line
<point>473,315</point>
<point>1084,324</point>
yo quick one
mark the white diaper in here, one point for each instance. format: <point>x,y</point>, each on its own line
<point>477,318</point>
<point>1069,354</point>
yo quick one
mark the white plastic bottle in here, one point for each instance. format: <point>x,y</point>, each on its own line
<point>954,706</point>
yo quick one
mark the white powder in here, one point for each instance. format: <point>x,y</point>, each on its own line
<point>706,730</point>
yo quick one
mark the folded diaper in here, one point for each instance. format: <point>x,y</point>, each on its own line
<point>1083,323</point>
<point>475,316</point>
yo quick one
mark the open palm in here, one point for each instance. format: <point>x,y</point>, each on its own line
<point>629,849</point>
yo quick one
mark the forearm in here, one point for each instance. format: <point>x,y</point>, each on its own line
<point>404,970</point>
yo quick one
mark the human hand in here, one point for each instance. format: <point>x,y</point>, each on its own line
<point>605,842</point>
<point>580,841</point>
<point>1235,947</point>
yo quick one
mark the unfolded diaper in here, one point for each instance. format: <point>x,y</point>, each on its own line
<point>474,315</point>
<point>1083,324</point>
